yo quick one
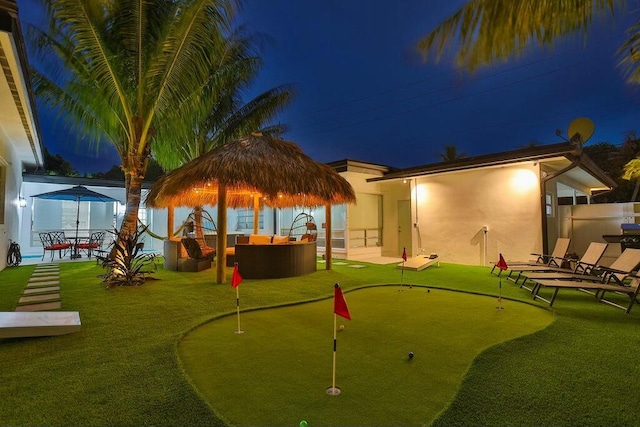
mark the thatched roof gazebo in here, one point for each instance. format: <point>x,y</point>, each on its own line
<point>248,172</point>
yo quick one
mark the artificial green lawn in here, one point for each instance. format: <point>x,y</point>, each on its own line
<point>123,367</point>
<point>276,373</point>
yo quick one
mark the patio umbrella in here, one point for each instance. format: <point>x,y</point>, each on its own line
<point>255,168</point>
<point>79,193</point>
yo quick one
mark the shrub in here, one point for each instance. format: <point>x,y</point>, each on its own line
<point>127,265</point>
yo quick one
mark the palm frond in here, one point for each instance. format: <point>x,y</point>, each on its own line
<point>488,31</point>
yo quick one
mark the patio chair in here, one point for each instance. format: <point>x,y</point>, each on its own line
<point>558,254</point>
<point>95,243</point>
<point>47,244</point>
<point>584,265</point>
<point>61,242</point>
<point>611,278</point>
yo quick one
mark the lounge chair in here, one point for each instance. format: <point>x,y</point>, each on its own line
<point>584,266</point>
<point>611,278</point>
<point>558,254</point>
<point>599,289</point>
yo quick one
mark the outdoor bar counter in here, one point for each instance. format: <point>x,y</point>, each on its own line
<point>271,261</point>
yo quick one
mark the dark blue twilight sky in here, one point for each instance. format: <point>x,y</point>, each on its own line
<point>365,94</point>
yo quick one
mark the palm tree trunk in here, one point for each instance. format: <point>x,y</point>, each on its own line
<point>130,220</point>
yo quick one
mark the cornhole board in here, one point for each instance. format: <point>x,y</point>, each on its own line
<point>419,262</point>
<point>16,324</point>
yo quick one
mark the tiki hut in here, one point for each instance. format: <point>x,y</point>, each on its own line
<point>249,172</point>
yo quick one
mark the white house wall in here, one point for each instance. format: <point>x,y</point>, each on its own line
<point>10,230</point>
<point>452,209</point>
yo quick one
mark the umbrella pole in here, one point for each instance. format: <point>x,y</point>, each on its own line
<point>221,246</point>
<point>75,247</point>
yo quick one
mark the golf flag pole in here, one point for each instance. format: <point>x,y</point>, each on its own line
<point>404,259</point>
<point>236,279</point>
<point>339,309</point>
<point>502,265</point>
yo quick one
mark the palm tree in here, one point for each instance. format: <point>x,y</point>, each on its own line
<point>451,153</point>
<point>484,32</point>
<point>230,115</point>
<point>131,73</point>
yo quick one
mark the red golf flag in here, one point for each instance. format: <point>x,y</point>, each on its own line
<point>404,254</point>
<point>236,278</point>
<point>502,264</point>
<point>339,304</point>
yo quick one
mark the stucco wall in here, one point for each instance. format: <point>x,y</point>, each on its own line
<point>454,207</point>
<point>10,229</point>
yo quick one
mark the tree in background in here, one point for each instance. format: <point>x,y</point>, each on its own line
<point>613,160</point>
<point>57,165</point>
<point>451,153</point>
<point>131,73</point>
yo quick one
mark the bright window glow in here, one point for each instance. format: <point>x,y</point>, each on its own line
<point>524,180</point>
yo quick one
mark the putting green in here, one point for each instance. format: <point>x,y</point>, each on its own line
<point>276,373</point>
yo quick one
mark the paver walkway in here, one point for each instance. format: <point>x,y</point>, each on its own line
<point>43,290</point>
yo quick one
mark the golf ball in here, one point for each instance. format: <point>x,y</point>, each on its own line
<point>341,327</point>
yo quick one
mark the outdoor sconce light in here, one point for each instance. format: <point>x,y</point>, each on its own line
<point>524,180</point>
<point>22,202</point>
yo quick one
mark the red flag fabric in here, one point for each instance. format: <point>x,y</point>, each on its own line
<point>236,278</point>
<point>404,254</point>
<point>502,264</point>
<point>339,304</point>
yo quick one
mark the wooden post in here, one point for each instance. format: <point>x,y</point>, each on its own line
<point>256,213</point>
<point>169,222</point>
<point>221,246</point>
<point>327,239</point>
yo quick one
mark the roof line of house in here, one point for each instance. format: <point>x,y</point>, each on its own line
<point>10,23</point>
<point>564,149</point>
<point>78,180</point>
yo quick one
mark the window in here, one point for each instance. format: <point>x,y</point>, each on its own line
<point>245,219</point>
<point>548,204</point>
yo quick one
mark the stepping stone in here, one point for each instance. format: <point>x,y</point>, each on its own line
<point>356,266</point>
<point>48,289</point>
<point>321,261</point>
<point>43,284</point>
<point>48,265</point>
<point>44,279</point>
<point>44,273</point>
<point>42,269</point>
<point>36,298</point>
<point>45,306</point>
<point>339,263</point>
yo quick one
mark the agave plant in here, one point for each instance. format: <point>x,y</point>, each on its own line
<point>127,264</point>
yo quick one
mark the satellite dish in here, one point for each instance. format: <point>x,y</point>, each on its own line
<point>580,128</point>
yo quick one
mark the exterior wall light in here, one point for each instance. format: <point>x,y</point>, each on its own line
<point>22,202</point>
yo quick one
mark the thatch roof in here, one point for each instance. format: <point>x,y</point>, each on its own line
<point>277,171</point>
